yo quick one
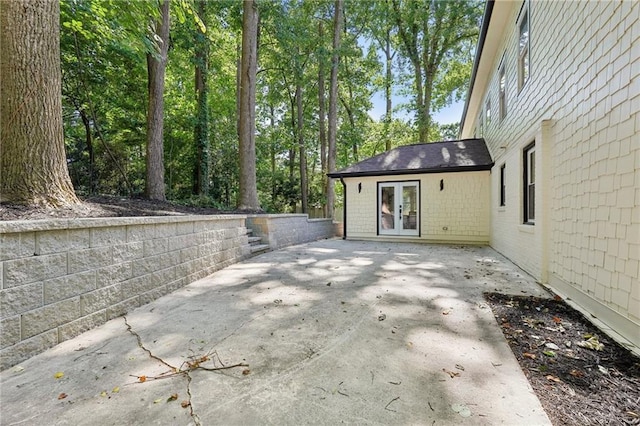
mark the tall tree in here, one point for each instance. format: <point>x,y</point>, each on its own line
<point>333,105</point>
<point>156,67</point>
<point>33,167</point>
<point>322,133</point>
<point>248,199</point>
<point>202,108</point>
<point>435,36</point>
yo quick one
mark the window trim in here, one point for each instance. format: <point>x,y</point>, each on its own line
<point>525,52</point>
<point>503,185</point>
<point>502,89</point>
<point>529,184</point>
<point>487,112</point>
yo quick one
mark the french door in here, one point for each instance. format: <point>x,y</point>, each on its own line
<point>398,208</point>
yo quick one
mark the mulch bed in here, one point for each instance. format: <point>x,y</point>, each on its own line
<point>580,375</point>
<point>107,206</point>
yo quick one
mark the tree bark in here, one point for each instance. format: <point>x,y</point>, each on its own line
<point>201,131</point>
<point>322,119</point>
<point>33,165</point>
<point>247,143</point>
<point>156,67</point>
<point>304,190</point>
<point>333,106</point>
<point>387,89</point>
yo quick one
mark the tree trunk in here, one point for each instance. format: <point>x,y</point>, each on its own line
<point>33,167</point>
<point>387,90</point>
<point>89,140</point>
<point>247,143</point>
<point>304,190</point>
<point>201,131</point>
<point>156,66</point>
<point>322,119</point>
<point>333,106</point>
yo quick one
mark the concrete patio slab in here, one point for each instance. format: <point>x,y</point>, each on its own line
<point>332,332</point>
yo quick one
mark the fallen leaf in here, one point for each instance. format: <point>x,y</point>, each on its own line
<point>62,395</point>
<point>142,379</point>
<point>246,372</point>
<point>552,346</point>
<point>116,389</point>
<point>591,343</point>
<point>529,355</point>
<point>553,378</point>
<point>459,367</point>
<point>172,397</point>
<point>633,414</point>
<point>557,298</point>
<point>58,375</point>
<point>446,312</point>
<point>549,353</point>
<point>576,373</point>
<point>603,370</point>
<point>185,404</point>
<point>18,369</point>
<point>461,409</point>
<point>557,320</point>
<point>103,394</point>
<point>157,401</point>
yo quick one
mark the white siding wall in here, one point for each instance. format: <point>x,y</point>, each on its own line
<point>462,207</point>
<point>582,107</point>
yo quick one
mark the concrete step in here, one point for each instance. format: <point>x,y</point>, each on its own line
<point>253,240</point>
<point>259,248</point>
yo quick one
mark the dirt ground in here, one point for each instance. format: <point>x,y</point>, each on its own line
<point>580,375</point>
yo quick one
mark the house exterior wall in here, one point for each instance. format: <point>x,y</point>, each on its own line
<point>581,106</point>
<point>458,213</point>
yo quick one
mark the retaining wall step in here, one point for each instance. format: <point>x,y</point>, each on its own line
<point>259,248</point>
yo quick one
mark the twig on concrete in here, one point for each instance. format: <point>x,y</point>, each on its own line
<point>386,407</point>
<point>193,363</point>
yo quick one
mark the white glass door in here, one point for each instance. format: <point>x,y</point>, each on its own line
<point>398,209</point>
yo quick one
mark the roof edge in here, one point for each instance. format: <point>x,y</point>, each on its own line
<point>486,18</point>
<point>336,175</point>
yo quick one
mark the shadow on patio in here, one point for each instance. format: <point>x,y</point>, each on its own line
<point>333,331</point>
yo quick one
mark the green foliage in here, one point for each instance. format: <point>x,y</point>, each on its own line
<point>103,53</point>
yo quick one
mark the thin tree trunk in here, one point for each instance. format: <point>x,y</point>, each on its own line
<point>333,106</point>
<point>387,90</point>
<point>201,131</point>
<point>303,154</point>
<point>156,67</point>
<point>248,186</point>
<point>322,120</point>
<point>90,150</point>
<point>33,165</point>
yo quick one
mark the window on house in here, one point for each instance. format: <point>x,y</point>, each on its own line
<point>523,48</point>
<point>530,184</point>
<point>487,111</point>
<point>502,92</point>
<point>480,126</point>
<point>503,193</point>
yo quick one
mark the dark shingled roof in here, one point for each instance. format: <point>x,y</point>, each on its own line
<point>438,157</point>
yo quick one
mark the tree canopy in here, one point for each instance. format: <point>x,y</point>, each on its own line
<point>421,49</point>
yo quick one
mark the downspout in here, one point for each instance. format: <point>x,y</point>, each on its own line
<point>344,209</point>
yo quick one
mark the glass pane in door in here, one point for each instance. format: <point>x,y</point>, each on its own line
<point>387,208</point>
<point>409,207</point>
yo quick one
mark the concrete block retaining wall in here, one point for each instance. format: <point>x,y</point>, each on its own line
<point>59,278</point>
<point>282,230</point>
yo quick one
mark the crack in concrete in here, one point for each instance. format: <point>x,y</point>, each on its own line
<point>176,371</point>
